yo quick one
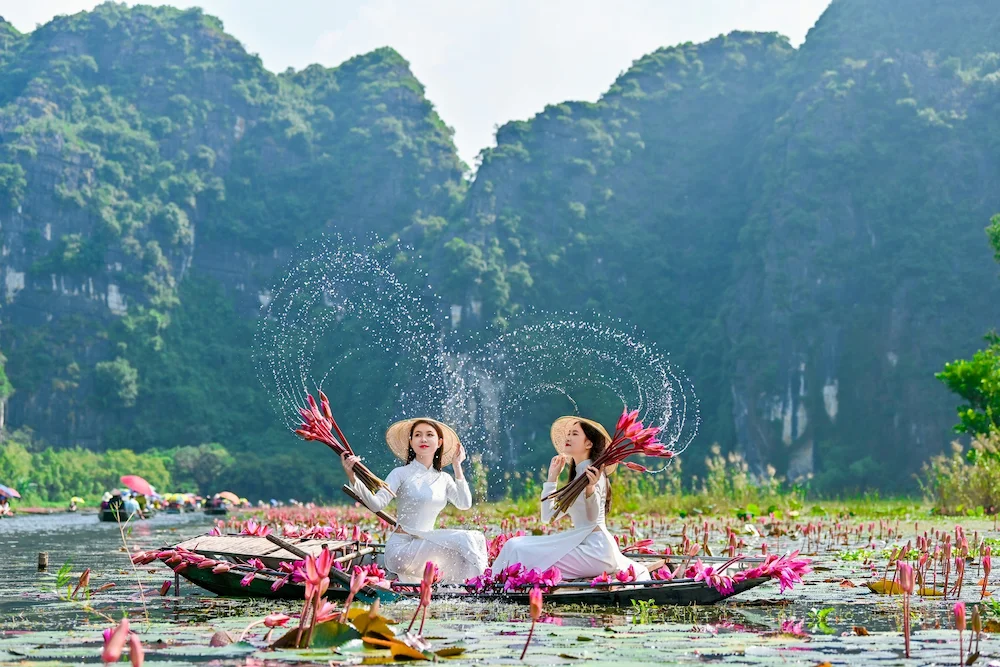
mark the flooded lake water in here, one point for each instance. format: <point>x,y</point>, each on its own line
<point>832,618</point>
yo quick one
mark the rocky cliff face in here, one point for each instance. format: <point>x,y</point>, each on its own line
<point>802,229</point>
<point>139,145</point>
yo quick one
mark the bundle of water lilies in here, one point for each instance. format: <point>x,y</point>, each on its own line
<point>318,424</point>
<point>630,438</point>
<point>514,577</point>
<point>788,569</point>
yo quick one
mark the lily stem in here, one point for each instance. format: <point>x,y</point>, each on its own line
<point>530,632</point>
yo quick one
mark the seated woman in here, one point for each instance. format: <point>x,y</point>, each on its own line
<point>422,491</point>
<point>588,550</point>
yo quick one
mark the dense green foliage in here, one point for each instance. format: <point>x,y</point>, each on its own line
<point>799,228</point>
<point>50,475</point>
<point>977,380</point>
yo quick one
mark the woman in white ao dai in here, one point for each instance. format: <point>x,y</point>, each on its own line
<point>422,490</point>
<point>588,550</point>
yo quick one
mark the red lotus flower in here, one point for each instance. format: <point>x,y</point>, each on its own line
<point>115,643</point>
<point>623,420</point>
<point>318,573</point>
<point>602,578</point>
<point>135,653</point>
<point>426,588</point>
<point>327,612</point>
<point>960,624</point>
<point>82,583</point>
<point>276,620</point>
<point>358,579</point>
<point>535,601</point>
<point>427,583</point>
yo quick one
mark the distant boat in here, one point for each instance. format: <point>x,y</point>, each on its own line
<point>119,515</point>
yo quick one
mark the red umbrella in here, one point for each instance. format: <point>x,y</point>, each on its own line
<point>7,491</point>
<point>137,484</point>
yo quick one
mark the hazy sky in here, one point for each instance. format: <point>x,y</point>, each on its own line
<point>483,62</point>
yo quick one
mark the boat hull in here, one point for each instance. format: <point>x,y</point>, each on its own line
<point>685,593</point>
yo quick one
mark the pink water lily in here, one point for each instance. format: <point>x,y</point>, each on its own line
<point>251,527</point>
<point>515,577</point>
<point>136,654</point>
<point>960,624</point>
<point>431,574</point>
<point>328,611</point>
<point>114,644</point>
<point>276,620</point>
<point>535,608</point>
<point>318,573</point>
<point>82,583</point>
<point>602,578</point>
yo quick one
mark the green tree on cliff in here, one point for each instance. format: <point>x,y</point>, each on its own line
<point>977,380</point>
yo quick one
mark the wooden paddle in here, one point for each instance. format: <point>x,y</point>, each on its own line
<point>366,594</point>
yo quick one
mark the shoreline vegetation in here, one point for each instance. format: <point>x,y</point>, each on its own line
<point>964,483</point>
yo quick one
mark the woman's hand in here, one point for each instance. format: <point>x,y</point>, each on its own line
<point>349,462</point>
<point>593,475</point>
<point>456,462</point>
<point>556,466</point>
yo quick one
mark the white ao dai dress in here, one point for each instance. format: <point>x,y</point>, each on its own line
<point>421,494</point>
<point>586,551</point>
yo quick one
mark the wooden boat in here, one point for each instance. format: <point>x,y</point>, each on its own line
<point>108,514</point>
<point>237,550</point>
<point>680,592</point>
<point>216,511</point>
<point>117,515</point>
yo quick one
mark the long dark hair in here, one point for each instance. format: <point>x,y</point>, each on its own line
<point>410,454</point>
<point>599,442</point>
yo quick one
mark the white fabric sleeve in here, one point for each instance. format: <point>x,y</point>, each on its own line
<point>459,493</point>
<point>547,509</point>
<point>378,501</point>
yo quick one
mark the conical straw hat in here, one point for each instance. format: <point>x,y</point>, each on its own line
<point>561,426</point>
<point>398,438</point>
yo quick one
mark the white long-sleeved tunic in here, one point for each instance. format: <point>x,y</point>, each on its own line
<point>421,494</point>
<point>585,551</point>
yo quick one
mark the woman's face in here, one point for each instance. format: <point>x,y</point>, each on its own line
<point>576,444</point>
<point>424,441</point>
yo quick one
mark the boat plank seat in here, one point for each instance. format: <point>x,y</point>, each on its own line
<point>241,548</point>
